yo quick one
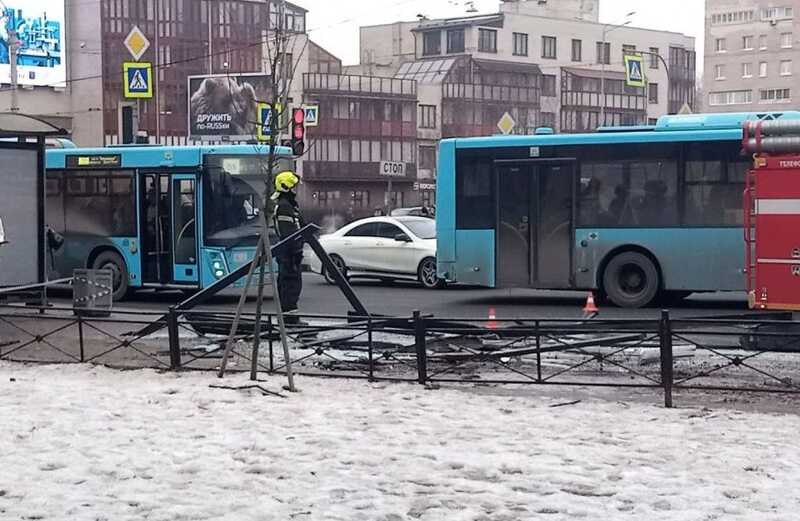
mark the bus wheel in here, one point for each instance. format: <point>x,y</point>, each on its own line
<point>110,260</point>
<point>631,280</point>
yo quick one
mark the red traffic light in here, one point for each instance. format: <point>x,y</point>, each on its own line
<point>299,116</point>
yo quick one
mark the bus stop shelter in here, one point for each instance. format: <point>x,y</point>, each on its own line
<point>23,254</point>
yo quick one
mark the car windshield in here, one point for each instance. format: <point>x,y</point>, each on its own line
<point>422,228</point>
<point>233,188</point>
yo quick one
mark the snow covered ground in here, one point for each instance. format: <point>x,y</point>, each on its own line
<point>89,443</point>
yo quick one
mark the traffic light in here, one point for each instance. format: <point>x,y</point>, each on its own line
<point>298,131</point>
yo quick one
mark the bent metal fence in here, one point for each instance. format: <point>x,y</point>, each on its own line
<point>666,354</point>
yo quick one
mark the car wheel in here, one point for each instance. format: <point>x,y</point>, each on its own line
<point>110,260</point>
<point>340,265</point>
<point>426,273</point>
<point>631,280</point>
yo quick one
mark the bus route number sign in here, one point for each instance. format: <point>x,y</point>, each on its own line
<point>94,161</point>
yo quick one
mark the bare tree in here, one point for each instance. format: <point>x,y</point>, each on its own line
<point>280,43</point>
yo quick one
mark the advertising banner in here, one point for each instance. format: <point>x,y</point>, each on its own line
<point>39,27</point>
<point>226,107</point>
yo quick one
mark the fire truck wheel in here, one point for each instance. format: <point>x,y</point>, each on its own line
<point>631,280</point>
<point>110,260</point>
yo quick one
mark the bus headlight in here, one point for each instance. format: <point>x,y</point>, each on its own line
<point>217,265</point>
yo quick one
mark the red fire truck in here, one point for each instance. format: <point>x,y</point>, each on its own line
<point>772,214</point>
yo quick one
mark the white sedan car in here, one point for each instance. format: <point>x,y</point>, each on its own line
<point>385,248</point>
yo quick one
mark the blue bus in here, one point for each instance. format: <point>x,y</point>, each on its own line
<point>633,213</point>
<point>158,217</point>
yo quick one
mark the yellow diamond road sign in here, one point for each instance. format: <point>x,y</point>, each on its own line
<point>136,43</point>
<point>506,124</point>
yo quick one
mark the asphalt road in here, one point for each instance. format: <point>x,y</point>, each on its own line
<point>401,299</point>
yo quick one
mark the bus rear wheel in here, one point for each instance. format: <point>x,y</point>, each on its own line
<point>631,280</point>
<point>110,260</point>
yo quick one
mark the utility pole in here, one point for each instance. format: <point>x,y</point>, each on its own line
<point>13,46</point>
<point>607,29</point>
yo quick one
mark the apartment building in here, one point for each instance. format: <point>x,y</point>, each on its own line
<point>750,54</point>
<point>576,54</point>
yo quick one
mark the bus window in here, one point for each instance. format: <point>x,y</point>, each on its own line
<point>629,193</point>
<point>475,195</point>
<point>713,197</point>
<point>653,188</point>
<point>55,201</point>
<point>233,190</point>
<point>100,203</point>
<point>603,199</point>
<point>185,249</point>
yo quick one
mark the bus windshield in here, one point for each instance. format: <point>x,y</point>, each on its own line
<point>233,190</point>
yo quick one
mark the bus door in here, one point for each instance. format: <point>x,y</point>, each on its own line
<point>154,201</point>
<point>535,223</point>
<point>184,229</point>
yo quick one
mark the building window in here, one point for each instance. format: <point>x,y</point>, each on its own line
<point>325,199</point>
<point>654,54</point>
<point>577,50</point>
<point>731,97</point>
<point>776,13</point>
<point>762,42</point>
<point>487,40</point>
<point>747,43</point>
<point>360,198</point>
<point>549,45</point>
<point>762,69</point>
<point>428,198</point>
<point>427,158</point>
<point>719,72</point>
<point>549,119</point>
<point>652,93</point>
<point>548,85</point>
<point>427,116</point>
<point>721,45</point>
<point>455,41</point>
<point>604,53</point>
<point>786,67</point>
<point>431,43</point>
<point>747,70</point>
<point>776,95</point>
<point>786,41</point>
<point>520,44</point>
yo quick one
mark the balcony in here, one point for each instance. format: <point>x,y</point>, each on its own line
<point>360,128</point>
<point>491,93</point>
<point>367,86</point>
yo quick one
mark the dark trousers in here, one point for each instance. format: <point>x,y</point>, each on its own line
<point>290,279</point>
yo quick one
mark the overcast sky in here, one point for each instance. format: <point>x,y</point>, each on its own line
<point>334,23</point>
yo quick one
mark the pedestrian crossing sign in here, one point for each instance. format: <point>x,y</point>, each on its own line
<point>137,80</point>
<point>634,71</point>
<point>264,116</point>
<point>311,115</point>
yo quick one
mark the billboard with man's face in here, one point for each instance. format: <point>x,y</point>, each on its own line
<point>39,29</point>
<point>226,106</point>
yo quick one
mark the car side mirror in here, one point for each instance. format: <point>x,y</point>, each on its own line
<point>402,237</point>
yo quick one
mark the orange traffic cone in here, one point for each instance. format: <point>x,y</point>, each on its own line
<point>492,322</point>
<point>590,308</point>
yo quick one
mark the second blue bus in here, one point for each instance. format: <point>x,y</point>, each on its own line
<point>632,213</point>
